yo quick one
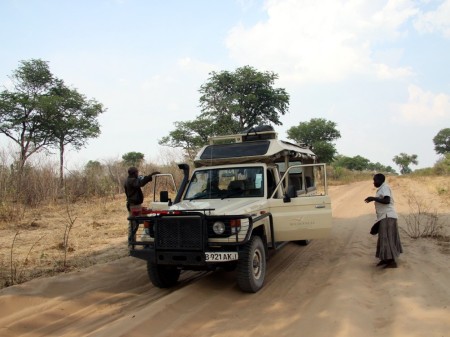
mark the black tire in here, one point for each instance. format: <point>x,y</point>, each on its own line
<point>162,276</point>
<point>303,242</point>
<point>251,268</point>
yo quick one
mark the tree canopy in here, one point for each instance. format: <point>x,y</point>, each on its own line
<point>231,102</point>
<point>243,98</point>
<point>319,133</point>
<point>189,135</point>
<point>442,141</point>
<point>41,112</point>
<point>404,160</point>
<point>133,158</point>
<point>22,117</point>
<point>73,118</point>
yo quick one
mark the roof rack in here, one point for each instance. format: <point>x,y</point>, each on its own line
<point>248,135</point>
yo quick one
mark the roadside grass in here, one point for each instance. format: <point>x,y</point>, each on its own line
<point>342,176</point>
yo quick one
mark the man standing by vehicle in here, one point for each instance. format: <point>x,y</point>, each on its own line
<point>133,191</point>
<point>389,246</point>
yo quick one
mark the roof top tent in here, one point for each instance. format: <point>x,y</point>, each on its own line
<point>253,145</point>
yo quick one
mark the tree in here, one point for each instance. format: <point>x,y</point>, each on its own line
<point>41,112</point>
<point>319,133</point>
<point>241,99</point>
<point>404,160</point>
<point>377,167</point>
<point>22,118</point>
<point>133,158</point>
<point>359,163</point>
<point>442,141</point>
<point>442,166</point>
<point>356,163</point>
<point>230,103</point>
<point>93,166</point>
<point>72,119</point>
<point>190,136</point>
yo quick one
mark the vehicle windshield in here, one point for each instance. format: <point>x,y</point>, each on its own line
<point>239,182</point>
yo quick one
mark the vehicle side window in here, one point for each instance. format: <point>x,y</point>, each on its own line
<point>295,180</point>
<point>270,183</point>
<point>308,182</point>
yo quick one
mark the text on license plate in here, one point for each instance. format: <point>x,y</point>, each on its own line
<point>221,257</point>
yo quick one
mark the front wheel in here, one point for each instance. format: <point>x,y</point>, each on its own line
<point>162,276</point>
<point>251,268</point>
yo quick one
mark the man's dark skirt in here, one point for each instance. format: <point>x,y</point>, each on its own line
<point>388,245</point>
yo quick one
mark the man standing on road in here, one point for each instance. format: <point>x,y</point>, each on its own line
<point>134,194</point>
<point>389,246</point>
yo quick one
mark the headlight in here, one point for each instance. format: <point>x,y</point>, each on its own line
<point>218,227</point>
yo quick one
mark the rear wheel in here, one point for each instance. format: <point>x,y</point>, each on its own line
<point>251,268</point>
<point>162,276</point>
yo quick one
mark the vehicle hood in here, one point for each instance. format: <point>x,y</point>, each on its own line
<point>228,206</point>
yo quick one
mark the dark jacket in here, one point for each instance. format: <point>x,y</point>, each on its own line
<point>133,189</point>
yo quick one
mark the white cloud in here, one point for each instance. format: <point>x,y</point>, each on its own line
<point>424,107</point>
<point>192,65</point>
<point>385,72</point>
<point>435,21</point>
<point>318,41</point>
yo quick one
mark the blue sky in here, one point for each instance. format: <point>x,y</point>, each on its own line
<point>379,69</point>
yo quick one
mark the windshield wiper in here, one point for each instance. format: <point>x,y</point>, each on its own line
<point>206,195</point>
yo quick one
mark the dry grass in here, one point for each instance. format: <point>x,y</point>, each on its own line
<point>38,245</point>
<point>426,199</point>
<point>422,220</point>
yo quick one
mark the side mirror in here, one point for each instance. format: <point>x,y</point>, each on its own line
<point>164,196</point>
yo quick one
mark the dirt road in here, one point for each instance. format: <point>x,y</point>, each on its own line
<point>328,288</point>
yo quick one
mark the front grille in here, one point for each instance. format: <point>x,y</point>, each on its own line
<point>179,232</point>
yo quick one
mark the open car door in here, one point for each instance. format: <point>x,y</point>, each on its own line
<point>164,191</point>
<point>304,211</point>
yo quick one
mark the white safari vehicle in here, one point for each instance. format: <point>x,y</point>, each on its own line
<point>248,194</point>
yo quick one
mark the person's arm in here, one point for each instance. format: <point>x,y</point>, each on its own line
<point>385,200</point>
<point>148,178</point>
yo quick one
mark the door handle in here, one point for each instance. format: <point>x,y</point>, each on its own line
<point>320,206</point>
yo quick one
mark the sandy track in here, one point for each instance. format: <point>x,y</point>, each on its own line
<point>328,288</point>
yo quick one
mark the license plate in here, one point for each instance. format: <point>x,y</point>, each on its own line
<point>221,257</point>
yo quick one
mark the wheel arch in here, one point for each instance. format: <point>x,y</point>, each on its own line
<point>260,231</point>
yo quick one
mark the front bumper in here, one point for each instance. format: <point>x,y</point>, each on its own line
<point>183,239</point>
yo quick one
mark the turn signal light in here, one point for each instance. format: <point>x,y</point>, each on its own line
<point>235,225</point>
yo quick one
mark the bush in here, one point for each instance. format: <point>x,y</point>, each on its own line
<point>422,221</point>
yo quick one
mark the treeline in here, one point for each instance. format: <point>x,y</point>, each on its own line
<point>39,183</point>
<point>348,169</point>
<point>359,163</point>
